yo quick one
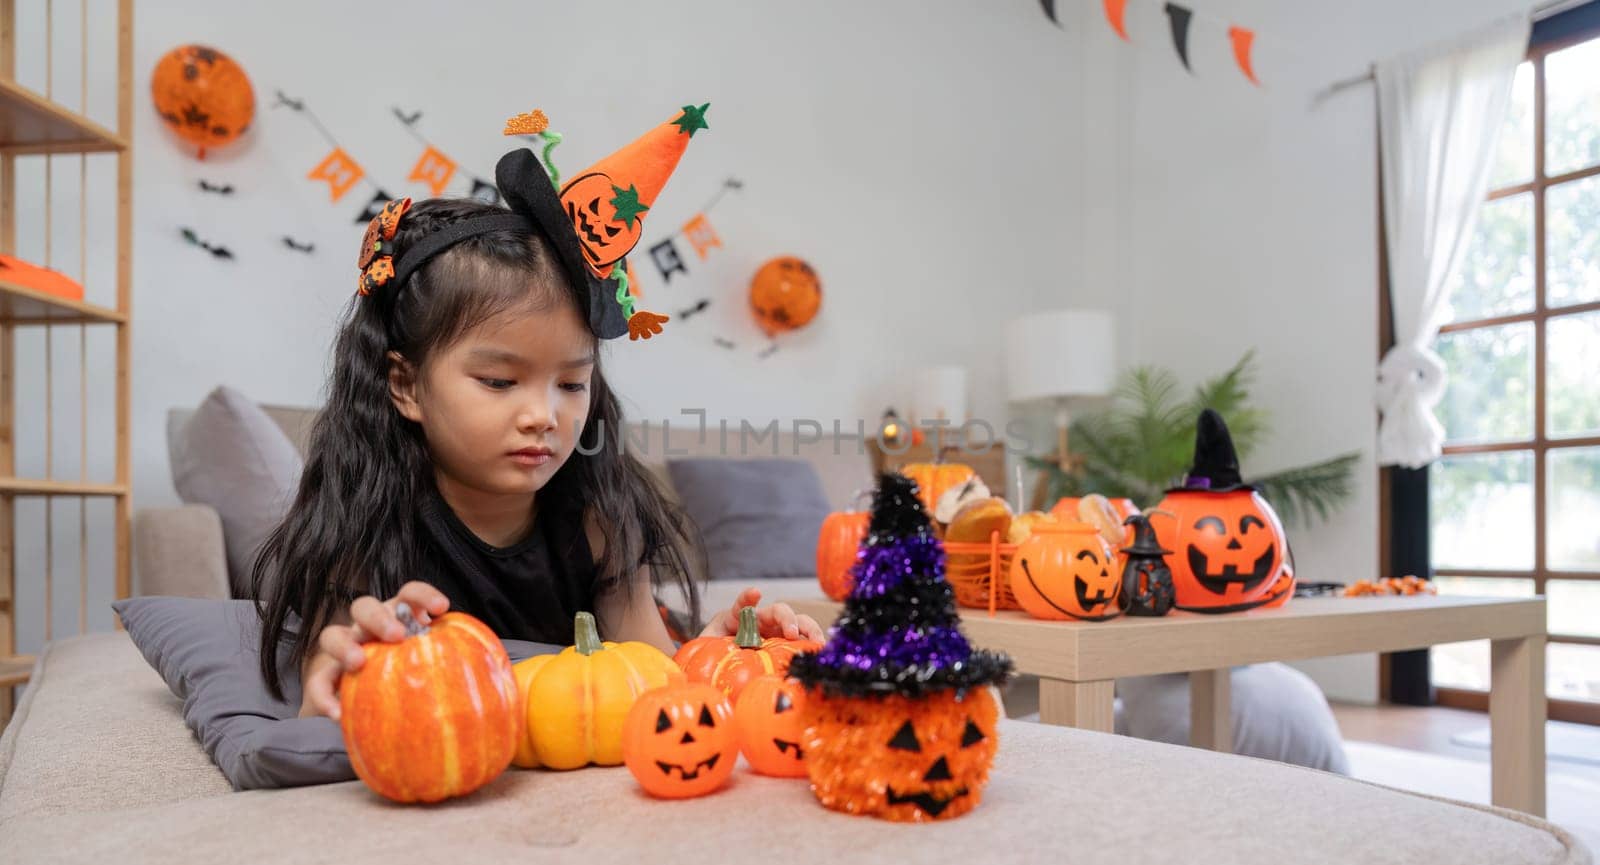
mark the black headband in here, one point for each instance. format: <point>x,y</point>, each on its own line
<point>414,258</point>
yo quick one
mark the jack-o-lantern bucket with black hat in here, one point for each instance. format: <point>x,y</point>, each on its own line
<point>900,711</point>
<point>1228,545</point>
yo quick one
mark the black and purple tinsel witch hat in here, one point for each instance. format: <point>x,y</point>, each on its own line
<point>899,630</point>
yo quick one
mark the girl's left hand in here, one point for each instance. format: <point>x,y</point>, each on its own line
<point>775,620</point>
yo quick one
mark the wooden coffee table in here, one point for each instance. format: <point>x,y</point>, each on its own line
<point>1077,662</point>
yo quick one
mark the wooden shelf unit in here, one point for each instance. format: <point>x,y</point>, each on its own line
<point>21,305</point>
<point>30,124</point>
<point>36,125</point>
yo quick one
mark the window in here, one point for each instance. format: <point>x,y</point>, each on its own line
<point>1515,500</point>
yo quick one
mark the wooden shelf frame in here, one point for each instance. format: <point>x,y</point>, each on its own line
<point>21,305</point>
<point>36,126</point>
<point>33,124</point>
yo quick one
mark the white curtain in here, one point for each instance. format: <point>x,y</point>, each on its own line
<point>1439,116</point>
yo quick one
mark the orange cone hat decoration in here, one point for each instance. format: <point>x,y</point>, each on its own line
<point>607,202</point>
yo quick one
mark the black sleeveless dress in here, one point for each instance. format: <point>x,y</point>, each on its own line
<point>528,591</point>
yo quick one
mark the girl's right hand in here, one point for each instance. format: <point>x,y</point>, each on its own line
<point>339,646</point>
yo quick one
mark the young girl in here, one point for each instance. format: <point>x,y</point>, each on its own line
<point>445,471</point>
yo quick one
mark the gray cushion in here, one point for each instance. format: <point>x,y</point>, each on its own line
<point>206,651</point>
<point>1278,714</point>
<point>231,456</point>
<point>759,517</point>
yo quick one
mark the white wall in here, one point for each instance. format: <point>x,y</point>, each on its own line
<point>1221,217</point>
<point>921,156</point>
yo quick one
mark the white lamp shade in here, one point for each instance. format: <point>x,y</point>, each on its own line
<point>940,391</point>
<point>1060,353</point>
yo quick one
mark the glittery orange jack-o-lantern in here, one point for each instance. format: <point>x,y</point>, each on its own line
<point>678,740</point>
<point>901,758</point>
<point>785,295</point>
<point>203,96</point>
<point>1227,549</point>
<point>606,217</point>
<point>770,721</point>
<point>1066,571</point>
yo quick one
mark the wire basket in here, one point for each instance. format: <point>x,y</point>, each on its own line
<point>980,573</point>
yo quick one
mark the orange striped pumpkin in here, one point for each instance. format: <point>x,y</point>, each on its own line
<point>730,663</point>
<point>837,545</point>
<point>575,702</point>
<point>934,478</point>
<point>434,715</point>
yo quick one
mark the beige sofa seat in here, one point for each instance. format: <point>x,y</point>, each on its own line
<point>98,767</point>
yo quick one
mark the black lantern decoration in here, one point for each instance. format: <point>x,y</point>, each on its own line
<point>1146,581</point>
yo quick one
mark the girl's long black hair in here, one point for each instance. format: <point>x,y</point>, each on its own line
<point>354,529</point>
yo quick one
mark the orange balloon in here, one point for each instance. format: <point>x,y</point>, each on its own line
<point>203,96</point>
<point>785,294</point>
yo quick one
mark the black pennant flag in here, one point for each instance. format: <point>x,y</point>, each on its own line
<point>485,191</point>
<point>665,255</point>
<point>374,207</point>
<point>1180,31</point>
<point>1050,11</point>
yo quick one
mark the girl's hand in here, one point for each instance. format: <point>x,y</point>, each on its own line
<point>776,620</point>
<point>339,645</point>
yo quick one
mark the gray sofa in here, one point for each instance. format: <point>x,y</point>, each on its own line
<point>1279,714</point>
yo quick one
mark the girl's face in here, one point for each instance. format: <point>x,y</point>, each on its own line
<point>502,408</point>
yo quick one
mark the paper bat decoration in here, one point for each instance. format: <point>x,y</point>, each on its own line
<point>223,189</point>
<point>307,248</point>
<point>216,251</point>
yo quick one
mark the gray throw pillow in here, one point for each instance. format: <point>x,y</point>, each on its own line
<point>759,518</point>
<point>207,652</point>
<point>1278,714</point>
<point>234,458</point>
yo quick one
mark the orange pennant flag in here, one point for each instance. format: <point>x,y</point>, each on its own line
<point>1242,40</point>
<point>701,235</point>
<point>435,169</point>
<point>340,171</point>
<point>1116,13</point>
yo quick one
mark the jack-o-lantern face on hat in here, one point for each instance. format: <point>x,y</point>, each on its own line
<point>900,758</point>
<point>1065,571</point>
<point>606,217</point>
<point>1228,549</point>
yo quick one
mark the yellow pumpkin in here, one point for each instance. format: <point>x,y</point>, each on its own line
<point>576,701</point>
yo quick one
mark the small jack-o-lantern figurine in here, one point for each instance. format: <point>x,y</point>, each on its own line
<point>1146,581</point>
<point>770,718</point>
<point>900,711</point>
<point>1228,542</point>
<point>1065,571</point>
<point>678,740</point>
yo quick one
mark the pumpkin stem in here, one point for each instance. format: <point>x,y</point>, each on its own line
<point>749,636</point>
<point>588,635</point>
<point>402,611</point>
